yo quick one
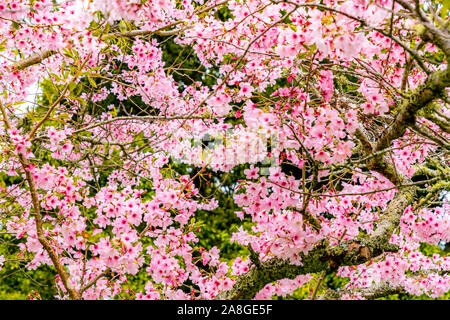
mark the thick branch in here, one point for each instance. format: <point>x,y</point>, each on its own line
<point>419,98</point>
<point>374,292</point>
<point>324,257</point>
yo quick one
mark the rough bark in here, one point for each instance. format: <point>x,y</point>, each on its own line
<point>358,251</point>
<point>323,256</point>
<point>32,60</point>
<point>432,88</point>
<point>375,292</point>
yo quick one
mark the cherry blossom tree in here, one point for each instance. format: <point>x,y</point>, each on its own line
<point>338,111</point>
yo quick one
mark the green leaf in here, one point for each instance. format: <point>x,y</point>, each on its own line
<point>92,82</point>
<point>72,86</point>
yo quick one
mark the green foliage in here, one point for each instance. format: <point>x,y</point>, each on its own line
<point>215,226</point>
<point>19,283</point>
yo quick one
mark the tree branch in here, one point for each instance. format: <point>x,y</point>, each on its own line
<point>370,293</point>
<point>325,257</point>
<point>432,88</point>
<point>38,219</point>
